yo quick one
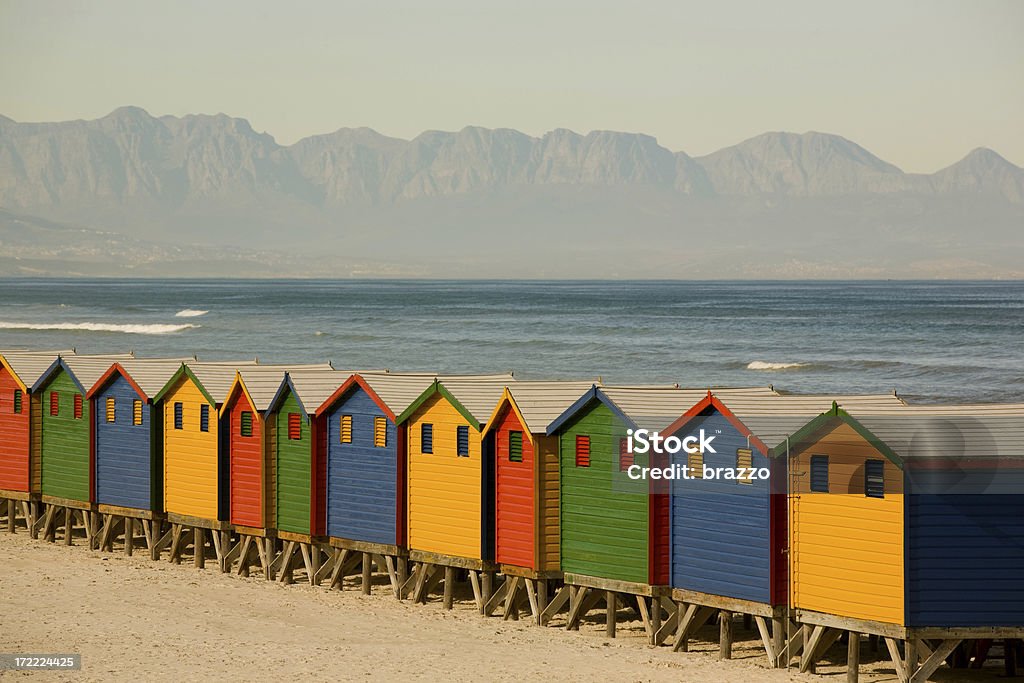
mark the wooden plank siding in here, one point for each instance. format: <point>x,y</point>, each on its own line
<point>294,468</point>
<point>605,517</point>
<point>516,518</point>
<point>444,490</point>
<point>846,549</point>
<point>246,457</point>
<point>14,435</point>
<point>65,441</point>
<point>549,542</point>
<point>191,456</point>
<point>123,449</point>
<point>362,476</point>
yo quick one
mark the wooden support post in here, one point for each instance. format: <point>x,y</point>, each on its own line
<point>576,608</point>
<point>853,658</point>
<point>806,662</point>
<point>897,660</point>
<point>542,599</point>
<point>779,642</point>
<point>337,575</point>
<point>69,525</point>
<point>609,621</point>
<point>496,597</point>
<point>511,591</point>
<point>449,587</point>
<point>487,586</point>
<point>402,571</point>
<point>725,635</point>
<point>556,604</point>
<point>199,545</point>
<point>935,660</point>
<point>478,596</point>
<point>129,536</point>
<point>910,657</point>
<point>10,516</point>
<point>366,573</point>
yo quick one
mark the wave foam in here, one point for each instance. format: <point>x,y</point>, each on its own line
<point>190,313</point>
<point>98,327</point>
<point>763,365</point>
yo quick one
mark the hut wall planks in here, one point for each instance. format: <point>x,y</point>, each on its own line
<point>294,467</point>
<point>515,497</point>
<point>247,463</point>
<point>14,434</point>
<point>191,456</point>
<point>65,441</point>
<point>123,448</point>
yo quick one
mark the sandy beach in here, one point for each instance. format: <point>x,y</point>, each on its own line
<point>134,619</point>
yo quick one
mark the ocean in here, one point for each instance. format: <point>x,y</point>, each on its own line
<point>929,341</point>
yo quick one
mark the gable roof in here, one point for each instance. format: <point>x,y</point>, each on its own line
<point>214,380</point>
<point>392,392</point>
<point>473,396</point>
<point>27,366</point>
<point>261,383</point>
<point>83,370</point>
<point>537,404</point>
<point>649,406</point>
<point>310,386</point>
<point>767,420</point>
<point>146,375</point>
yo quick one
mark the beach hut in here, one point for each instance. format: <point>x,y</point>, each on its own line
<point>908,525</point>
<point>366,484</point>
<point>614,528</point>
<point>65,437</point>
<point>728,530</point>
<point>127,451</point>
<point>260,481</point>
<point>450,484</point>
<point>19,470</point>
<point>194,473</point>
<point>526,531</point>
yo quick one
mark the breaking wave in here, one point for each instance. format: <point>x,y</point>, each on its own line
<point>762,365</point>
<point>98,327</point>
<point>189,313</point>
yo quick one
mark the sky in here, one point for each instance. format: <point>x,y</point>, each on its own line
<point>918,83</point>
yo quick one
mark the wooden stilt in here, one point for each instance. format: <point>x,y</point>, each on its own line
<point>853,658</point>
<point>609,622</point>
<point>449,587</point>
<point>367,574</point>
<point>69,525</point>
<point>557,602</point>
<point>779,642</point>
<point>10,516</point>
<point>511,592</point>
<point>129,536</point>
<point>725,635</point>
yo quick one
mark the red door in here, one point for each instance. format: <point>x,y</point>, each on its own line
<point>515,494</point>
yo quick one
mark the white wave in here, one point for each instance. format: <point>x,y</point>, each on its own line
<point>189,313</point>
<point>98,327</point>
<point>762,365</point>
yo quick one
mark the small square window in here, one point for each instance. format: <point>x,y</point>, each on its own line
<point>582,451</point>
<point>380,432</point>
<point>819,473</point>
<point>345,429</point>
<point>874,479</point>
<point>426,438</point>
<point>515,446</point>
<point>462,441</point>
<point>744,463</point>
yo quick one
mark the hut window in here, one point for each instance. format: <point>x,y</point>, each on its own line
<point>582,451</point>
<point>380,432</point>
<point>177,416</point>
<point>462,441</point>
<point>625,455</point>
<point>111,412</point>
<point>54,403</point>
<point>136,412</point>
<point>744,463</point>
<point>345,429</point>
<point>295,427</point>
<point>426,438</point>
<point>78,407</point>
<point>515,446</point>
<point>17,401</point>
<point>695,463</point>
<point>874,479</point>
<point>204,418</point>
<point>245,423</point>
<point>819,473</point>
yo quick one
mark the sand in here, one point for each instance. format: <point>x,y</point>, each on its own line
<point>134,619</point>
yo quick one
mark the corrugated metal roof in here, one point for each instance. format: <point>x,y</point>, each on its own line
<point>150,374</point>
<point>88,369</point>
<point>30,365</point>
<point>542,402</point>
<point>949,431</point>
<point>263,381</point>
<point>655,407</point>
<point>773,418</point>
<point>217,378</point>
<point>398,390</point>
<point>478,394</point>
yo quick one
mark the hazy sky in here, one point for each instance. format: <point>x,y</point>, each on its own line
<point>918,83</point>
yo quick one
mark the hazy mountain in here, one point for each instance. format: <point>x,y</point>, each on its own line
<point>451,202</point>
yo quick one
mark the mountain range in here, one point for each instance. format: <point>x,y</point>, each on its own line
<point>491,203</point>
